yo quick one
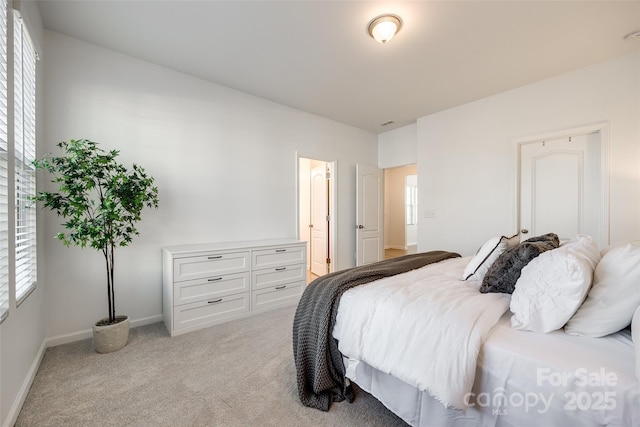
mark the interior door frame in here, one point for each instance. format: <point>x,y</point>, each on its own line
<point>332,165</point>
<point>603,129</point>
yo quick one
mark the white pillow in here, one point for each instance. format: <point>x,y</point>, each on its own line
<point>550,289</point>
<point>486,255</point>
<point>614,297</point>
<point>585,247</point>
<point>635,335</point>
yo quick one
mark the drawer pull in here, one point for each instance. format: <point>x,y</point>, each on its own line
<point>281,268</point>
<point>281,287</point>
<point>215,257</point>
<point>215,279</point>
<point>281,250</point>
<point>213,302</point>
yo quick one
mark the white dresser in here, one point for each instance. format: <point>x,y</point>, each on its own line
<point>207,284</point>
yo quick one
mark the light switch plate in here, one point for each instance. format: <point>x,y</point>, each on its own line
<point>430,213</point>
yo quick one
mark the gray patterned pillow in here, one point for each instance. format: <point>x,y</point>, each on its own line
<point>505,271</point>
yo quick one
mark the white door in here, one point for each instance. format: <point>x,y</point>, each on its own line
<point>369,214</point>
<point>561,188</point>
<point>319,224</point>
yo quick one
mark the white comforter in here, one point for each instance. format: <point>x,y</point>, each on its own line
<point>424,327</point>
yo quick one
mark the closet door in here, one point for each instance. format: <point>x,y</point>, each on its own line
<point>561,188</point>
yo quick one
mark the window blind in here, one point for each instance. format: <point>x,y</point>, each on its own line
<point>4,173</point>
<point>25,152</point>
<point>411,200</point>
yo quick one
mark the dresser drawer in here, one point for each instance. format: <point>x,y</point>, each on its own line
<point>210,288</point>
<point>277,276</point>
<point>211,265</point>
<point>189,315</point>
<point>278,296</point>
<point>278,256</point>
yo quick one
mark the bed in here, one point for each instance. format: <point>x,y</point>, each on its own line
<point>521,334</point>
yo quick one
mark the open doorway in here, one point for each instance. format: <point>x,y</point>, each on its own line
<point>400,211</point>
<point>316,214</point>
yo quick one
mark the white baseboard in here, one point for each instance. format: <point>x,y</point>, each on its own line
<point>24,389</point>
<point>68,338</point>
<point>88,333</point>
<point>146,320</point>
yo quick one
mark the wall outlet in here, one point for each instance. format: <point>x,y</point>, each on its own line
<point>430,213</point>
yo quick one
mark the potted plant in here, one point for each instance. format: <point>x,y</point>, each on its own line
<point>101,201</point>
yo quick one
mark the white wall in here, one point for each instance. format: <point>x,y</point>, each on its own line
<point>224,162</point>
<point>466,160</point>
<point>398,147</point>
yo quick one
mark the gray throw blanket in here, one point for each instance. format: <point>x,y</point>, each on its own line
<point>320,370</point>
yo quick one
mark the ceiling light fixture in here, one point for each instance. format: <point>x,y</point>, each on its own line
<point>382,28</point>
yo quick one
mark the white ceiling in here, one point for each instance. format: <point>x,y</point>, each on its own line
<point>316,56</point>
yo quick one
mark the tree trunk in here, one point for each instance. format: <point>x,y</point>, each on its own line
<point>112,313</point>
<point>108,256</point>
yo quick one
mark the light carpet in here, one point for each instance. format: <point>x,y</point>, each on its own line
<point>240,373</point>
